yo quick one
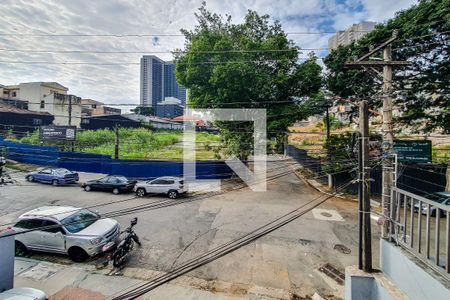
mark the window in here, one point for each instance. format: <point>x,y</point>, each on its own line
<point>42,104</point>
<point>57,227</point>
<point>79,220</point>
<point>14,94</point>
<point>85,121</point>
<point>37,121</point>
<point>29,224</point>
<point>46,171</point>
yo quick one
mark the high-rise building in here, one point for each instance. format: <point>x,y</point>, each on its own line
<point>353,33</point>
<point>158,82</point>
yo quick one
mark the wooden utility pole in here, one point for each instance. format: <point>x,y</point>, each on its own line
<point>388,137</point>
<point>364,190</point>
<point>116,148</point>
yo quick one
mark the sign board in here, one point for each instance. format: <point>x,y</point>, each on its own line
<point>65,133</point>
<point>413,151</point>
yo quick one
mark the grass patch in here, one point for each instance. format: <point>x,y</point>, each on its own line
<point>136,143</point>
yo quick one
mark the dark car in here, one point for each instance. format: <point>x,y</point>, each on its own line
<point>54,176</point>
<point>115,184</point>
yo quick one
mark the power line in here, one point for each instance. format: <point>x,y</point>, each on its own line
<point>138,63</point>
<point>160,52</point>
<point>151,35</point>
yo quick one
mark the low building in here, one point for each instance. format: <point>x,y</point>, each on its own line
<point>107,122</point>
<point>92,107</point>
<point>170,108</point>
<point>155,122</point>
<point>20,120</point>
<point>48,97</point>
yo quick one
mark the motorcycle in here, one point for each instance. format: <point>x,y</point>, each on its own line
<point>125,246</point>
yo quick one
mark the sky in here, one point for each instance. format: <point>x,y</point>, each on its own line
<point>114,77</point>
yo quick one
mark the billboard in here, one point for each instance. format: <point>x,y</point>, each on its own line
<point>61,133</point>
<point>413,151</point>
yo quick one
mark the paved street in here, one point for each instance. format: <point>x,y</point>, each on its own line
<point>286,260</point>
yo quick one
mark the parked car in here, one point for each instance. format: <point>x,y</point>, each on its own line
<point>171,186</point>
<point>78,232</point>
<point>23,293</point>
<point>115,184</point>
<point>53,176</point>
<point>442,198</point>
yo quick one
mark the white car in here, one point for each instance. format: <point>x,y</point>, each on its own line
<point>23,294</point>
<point>171,186</point>
<point>78,232</point>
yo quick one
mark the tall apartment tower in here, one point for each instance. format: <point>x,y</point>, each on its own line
<point>353,33</point>
<point>158,82</point>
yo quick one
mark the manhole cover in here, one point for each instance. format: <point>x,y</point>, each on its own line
<point>325,214</point>
<point>342,248</point>
<point>333,273</point>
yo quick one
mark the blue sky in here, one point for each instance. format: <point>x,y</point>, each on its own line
<point>120,83</point>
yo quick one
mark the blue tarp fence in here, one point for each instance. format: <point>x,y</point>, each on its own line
<point>97,163</point>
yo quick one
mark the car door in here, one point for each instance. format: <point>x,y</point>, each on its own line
<point>112,183</point>
<point>156,186</point>
<point>44,175</point>
<point>30,239</point>
<point>101,184</point>
<point>52,239</point>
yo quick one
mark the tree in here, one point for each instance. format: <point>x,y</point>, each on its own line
<point>421,89</point>
<point>247,65</point>
<point>144,110</point>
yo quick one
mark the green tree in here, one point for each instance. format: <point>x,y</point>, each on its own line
<point>247,65</point>
<point>144,110</point>
<point>421,89</point>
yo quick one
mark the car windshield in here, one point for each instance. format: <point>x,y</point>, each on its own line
<point>79,220</point>
<point>437,198</point>
<point>62,171</point>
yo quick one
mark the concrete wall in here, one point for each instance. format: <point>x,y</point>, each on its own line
<point>404,271</point>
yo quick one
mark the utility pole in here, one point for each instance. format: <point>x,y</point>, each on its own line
<point>365,235</point>
<point>70,110</point>
<point>116,148</point>
<point>387,133</point>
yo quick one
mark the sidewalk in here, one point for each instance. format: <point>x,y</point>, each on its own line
<point>81,281</point>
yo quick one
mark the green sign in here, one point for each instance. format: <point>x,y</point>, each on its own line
<point>413,151</point>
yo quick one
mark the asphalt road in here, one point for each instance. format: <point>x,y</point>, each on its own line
<point>287,259</point>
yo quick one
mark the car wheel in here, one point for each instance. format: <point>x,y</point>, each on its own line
<point>172,194</point>
<point>30,178</point>
<point>115,191</point>
<point>20,249</point>
<point>87,188</point>
<point>77,254</point>
<point>140,192</point>
<point>55,182</point>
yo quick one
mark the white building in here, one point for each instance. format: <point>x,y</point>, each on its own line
<point>48,97</point>
<point>353,33</point>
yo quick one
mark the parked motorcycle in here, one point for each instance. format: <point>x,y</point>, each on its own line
<point>125,246</point>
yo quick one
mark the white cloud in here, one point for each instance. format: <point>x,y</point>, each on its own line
<point>120,83</point>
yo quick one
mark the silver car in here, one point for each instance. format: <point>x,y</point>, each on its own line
<point>78,232</point>
<point>171,186</point>
<point>23,294</point>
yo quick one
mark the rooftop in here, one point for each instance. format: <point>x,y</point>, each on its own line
<point>12,109</point>
<point>56,212</point>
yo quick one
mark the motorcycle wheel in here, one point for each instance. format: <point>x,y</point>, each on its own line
<point>118,258</point>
